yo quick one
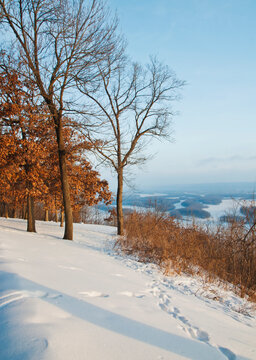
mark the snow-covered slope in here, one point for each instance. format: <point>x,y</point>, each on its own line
<point>79,300</point>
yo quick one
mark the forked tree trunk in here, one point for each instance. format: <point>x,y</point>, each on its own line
<point>68,233</point>
<point>31,224</point>
<point>119,203</point>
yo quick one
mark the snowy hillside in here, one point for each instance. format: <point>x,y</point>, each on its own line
<point>79,300</point>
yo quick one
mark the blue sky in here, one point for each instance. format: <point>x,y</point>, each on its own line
<point>211,44</point>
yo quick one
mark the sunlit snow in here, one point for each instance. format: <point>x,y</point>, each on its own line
<point>81,300</point>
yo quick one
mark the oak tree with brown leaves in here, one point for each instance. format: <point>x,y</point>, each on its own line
<point>22,141</point>
<point>29,161</point>
<point>61,42</point>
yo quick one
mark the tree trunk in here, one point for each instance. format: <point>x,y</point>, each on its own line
<point>31,224</point>
<point>46,215</point>
<point>62,219</point>
<point>56,215</point>
<point>24,211</point>
<point>6,211</point>
<point>68,233</point>
<point>119,203</point>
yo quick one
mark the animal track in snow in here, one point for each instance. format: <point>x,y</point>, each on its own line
<point>93,294</point>
<point>198,334</point>
<point>193,331</point>
<point>159,287</point>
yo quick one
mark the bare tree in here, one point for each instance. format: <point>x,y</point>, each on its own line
<point>61,42</point>
<point>133,105</point>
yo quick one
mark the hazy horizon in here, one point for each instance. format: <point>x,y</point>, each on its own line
<point>209,188</point>
<point>221,187</point>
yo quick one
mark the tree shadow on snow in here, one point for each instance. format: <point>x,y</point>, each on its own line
<point>106,319</point>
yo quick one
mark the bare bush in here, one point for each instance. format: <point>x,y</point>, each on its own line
<point>226,252</point>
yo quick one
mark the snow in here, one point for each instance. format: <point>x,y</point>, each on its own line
<point>226,206</point>
<point>81,300</point>
<point>152,195</point>
<point>140,209</point>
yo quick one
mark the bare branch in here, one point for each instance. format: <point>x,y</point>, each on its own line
<point>131,104</point>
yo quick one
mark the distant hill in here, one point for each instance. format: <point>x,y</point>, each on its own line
<point>229,188</point>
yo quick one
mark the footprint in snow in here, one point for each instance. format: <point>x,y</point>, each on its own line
<point>93,294</point>
<point>193,331</point>
<point>197,334</point>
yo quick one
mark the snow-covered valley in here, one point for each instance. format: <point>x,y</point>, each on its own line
<point>81,300</point>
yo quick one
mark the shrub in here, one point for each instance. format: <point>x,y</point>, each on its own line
<point>225,252</point>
